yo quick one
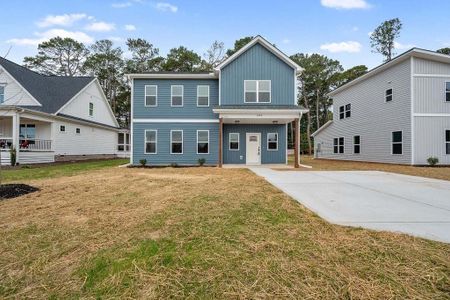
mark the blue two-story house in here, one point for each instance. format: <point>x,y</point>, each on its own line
<point>237,114</point>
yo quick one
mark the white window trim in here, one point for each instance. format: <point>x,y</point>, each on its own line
<point>4,87</point>
<point>182,141</point>
<point>267,138</point>
<point>76,129</point>
<point>257,90</point>
<point>392,95</point>
<point>145,141</point>
<point>65,129</point>
<point>145,95</point>
<point>392,142</point>
<point>171,95</point>
<point>345,111</point>
<point>89,112</point>
<point>446,92</point>
<point>357,145</point>
<point>339,145</point>
<point>229,141</point>
<point>202,85</point>
<point>445,141</point>
<point>197,141</point>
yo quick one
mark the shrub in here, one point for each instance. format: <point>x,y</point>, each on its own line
<point>174,165</point>
<point>143,162</point>
<point>201,161</point>
<point>12,153</point>
<point>432,161</point>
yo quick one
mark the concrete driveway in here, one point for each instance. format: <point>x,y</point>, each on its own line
<point>371,199</point>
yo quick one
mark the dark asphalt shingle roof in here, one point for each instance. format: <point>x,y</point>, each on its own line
<point>51,91</point>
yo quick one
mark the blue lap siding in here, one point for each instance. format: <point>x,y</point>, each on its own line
<point>163,156</point>
<point>268,157</point>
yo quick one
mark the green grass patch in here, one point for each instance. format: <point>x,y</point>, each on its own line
<point>57,170</point>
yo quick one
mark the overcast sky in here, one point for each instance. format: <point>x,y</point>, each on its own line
<point>337,28</point>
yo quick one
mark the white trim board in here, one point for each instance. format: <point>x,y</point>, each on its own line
<point>175,120</point>
<point>432,75</point>
<point>172,76</point>
<point>431,115</point>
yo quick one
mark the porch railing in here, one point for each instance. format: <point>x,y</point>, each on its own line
<point>26,144</point>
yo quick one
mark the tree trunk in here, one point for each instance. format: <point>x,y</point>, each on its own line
<point>317,109</point>
<point>308,123</point>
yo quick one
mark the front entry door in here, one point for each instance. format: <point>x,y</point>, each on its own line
<point>253,149</point>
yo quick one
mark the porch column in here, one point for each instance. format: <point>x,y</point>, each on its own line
<point>220,141</point>
<point>296,142</point>
<point>15,134</point>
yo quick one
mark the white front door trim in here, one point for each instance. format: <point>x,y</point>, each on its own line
<point>252,149</point>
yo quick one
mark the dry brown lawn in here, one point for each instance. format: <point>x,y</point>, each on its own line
<point>199,233</point>
<point>339,165</point>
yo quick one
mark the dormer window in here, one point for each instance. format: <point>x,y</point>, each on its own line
<point>389,94</point>
<point>257,91</point>
<point>2,94</point>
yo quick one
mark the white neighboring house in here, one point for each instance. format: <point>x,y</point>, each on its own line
<point>48,118</point>
<point>399,112</point>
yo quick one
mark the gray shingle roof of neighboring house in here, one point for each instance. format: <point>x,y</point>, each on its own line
<point>51,91</point>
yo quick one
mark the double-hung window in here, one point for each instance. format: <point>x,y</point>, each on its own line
<point>2,93</point>
<point>447,142</point>
<point>447,92</point>
<point>91,109</point>
<point>257,91</point>
<point>388,95</point>
<point>272,141</point>
<point>203,95</point>
<point>176,142</point>
<point>233,140</point>
<point>397,142</point>
<point>202,141</point>
<point>151,141</point>
<point>356,144</point>
<point>176,95</point>
<point>151,95</point>
<point>338,145</point>
<point>345,111</point>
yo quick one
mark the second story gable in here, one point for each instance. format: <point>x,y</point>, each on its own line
<point>258,74</point>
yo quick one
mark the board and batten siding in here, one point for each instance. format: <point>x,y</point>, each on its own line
<point>267,157</point>
<point>372,118</point>
<point>257,63</point>
<point>164,109</point>
<point>163,155</point>
<point>429,135</point>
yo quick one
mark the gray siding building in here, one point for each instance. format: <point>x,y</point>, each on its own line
<point>397,113</point>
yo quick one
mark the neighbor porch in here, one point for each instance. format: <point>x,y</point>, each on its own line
<point>30,136</point>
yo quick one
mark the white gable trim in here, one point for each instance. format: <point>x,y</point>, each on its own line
<point>268,46</point>
<point>82,90</point>
<point>322,128</point>
<point>26,91</point>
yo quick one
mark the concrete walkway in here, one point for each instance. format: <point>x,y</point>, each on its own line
<point>371,199</point>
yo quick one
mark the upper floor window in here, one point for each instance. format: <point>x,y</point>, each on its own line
<point>397,142</point>
<point>447,142</point>
<point>176,142</point>
<point>447,91</point>
<point>77,130</point>
<point>345,111</point>
<point>91,109</point>
<point>257,91</point>
<point>2,93</point>
<point>203,95</point>
<point>176,94</point>
<point>202,141</point>
<point>151,95</point>
<point>338,145</point>
<point>357,144</point>
<point>62,128</point>
<point>272,141</point>
<point>388,95</point>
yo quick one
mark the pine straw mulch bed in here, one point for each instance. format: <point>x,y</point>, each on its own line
<point>8,191</point>
<point>199,233</point>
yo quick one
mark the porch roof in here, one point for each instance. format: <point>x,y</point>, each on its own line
<point>259,114</point>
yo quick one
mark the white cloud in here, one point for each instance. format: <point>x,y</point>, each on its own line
<point>350,47</point>
<point>116,39</point>
<point>130,27</point>
<point>121,5</point>
<point>46,35</point>
<point>61,20</point>
<point>164,6</point>
<point>345,4</point>
<point>355,28</point>
<point>400,46</point>
<point>286,41</point>
<point>100,26</point>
